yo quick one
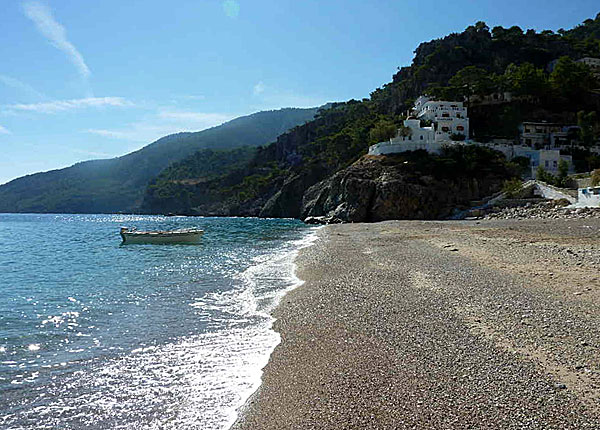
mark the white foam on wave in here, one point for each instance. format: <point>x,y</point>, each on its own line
<point>260,278</point>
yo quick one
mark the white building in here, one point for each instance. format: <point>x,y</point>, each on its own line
<point>447,117</point>
<point>592,63</point>
<point>549,159</point>
<point>443,119</point>
<point>588,197</point>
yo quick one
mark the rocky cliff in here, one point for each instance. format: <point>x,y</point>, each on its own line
<point>408,186</point>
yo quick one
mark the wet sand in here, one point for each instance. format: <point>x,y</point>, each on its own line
<point>439,325</point>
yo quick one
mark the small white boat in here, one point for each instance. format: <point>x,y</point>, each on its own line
<point>188,235</point>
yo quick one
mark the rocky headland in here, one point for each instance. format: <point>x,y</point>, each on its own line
<point>378,188</point>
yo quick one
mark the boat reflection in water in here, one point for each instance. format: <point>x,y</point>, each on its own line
<point>188,235</point>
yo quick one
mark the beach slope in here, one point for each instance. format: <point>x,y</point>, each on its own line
<point>439,325</point>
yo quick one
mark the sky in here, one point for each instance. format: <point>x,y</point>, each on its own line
<point>91,79</point>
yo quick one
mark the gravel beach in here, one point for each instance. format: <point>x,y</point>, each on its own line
<point>439,325</point>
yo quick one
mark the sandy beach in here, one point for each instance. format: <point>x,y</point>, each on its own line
<point>439,325</point>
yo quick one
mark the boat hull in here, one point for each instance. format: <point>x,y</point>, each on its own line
<point>161,238</point>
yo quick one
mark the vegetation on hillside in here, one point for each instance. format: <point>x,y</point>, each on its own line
<point>476,62</point>
<point>119,184</point>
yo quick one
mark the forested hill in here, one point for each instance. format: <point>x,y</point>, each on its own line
<point>114,185</point>
<point>478,61</point>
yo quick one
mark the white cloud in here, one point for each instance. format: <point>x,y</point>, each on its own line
<point>231,8</point>
<point>42,17</point>
<point>21,86</point>
<point>66,105</point>
<point>163,124</point>
<point>259,88</point>
<point>3,130</point>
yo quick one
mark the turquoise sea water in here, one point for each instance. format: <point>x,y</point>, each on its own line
<point>99,335</point>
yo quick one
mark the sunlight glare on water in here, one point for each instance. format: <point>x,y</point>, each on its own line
<point>94,334</point>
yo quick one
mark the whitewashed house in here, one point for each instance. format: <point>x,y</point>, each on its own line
<point>448,117</point>
<point>588,197</point>
<point>592,63</point>
<point>444,120</point>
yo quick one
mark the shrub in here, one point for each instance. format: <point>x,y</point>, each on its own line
<point>542,175</point>
<point>596,177</point>
<point>512,187</point>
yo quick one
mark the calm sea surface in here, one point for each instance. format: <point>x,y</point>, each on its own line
<point>98,335</point>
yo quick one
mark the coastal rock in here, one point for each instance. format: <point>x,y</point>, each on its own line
<point>287,201</point>
<point>379,188</point>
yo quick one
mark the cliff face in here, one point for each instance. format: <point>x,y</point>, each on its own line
<point>379,188</point>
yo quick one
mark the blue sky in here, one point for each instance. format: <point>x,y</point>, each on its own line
<point>97,79</point>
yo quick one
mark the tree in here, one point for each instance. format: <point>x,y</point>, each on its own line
<point>525,79</point>
<point>512,187</point>
<point>382,131</point>
<point>523,164</point>
<point>570,79</point>
<point>542,175</point>
<point>563,172</point>
<point>587,127</point>
<point>472,80</point>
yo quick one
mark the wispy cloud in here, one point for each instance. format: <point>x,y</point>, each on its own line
<point>21,86</point>
<point>162,124</point>
<point>56,34</point>
<point>3,130</point>
<point>259,88</point>
<point>67,105</point>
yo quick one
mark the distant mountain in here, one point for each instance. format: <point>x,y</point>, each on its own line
<point>118,184</point>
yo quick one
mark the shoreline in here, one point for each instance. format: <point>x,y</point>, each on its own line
<point>469,330</point>
<point>295,282</point>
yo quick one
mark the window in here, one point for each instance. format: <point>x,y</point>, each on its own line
<point>446,129</point>
<point>555,163</point>
<point>547,163</point>
<point>445,115</point>
<point>460,128</point>
<point>421,137</point>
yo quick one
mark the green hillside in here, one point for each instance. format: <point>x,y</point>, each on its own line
<point>477,61</point>
<point>118,184</point>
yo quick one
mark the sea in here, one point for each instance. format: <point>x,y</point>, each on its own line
<point>95,334</point>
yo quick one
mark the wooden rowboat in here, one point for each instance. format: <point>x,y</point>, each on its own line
<point>188,235</point>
